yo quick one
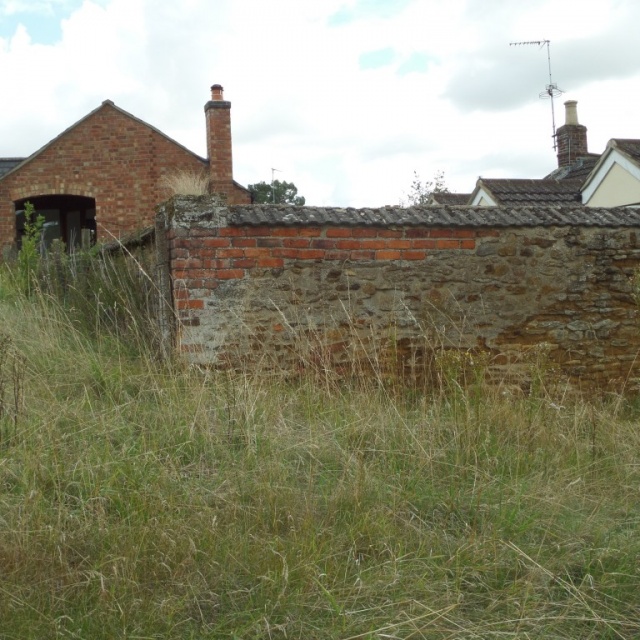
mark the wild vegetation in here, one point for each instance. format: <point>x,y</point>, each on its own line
<point>420,190</point>
<point>188,183</point>
<point>276,192</point>
<point>146,499</point>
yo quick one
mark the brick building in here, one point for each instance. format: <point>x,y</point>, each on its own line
<point>105,174</point>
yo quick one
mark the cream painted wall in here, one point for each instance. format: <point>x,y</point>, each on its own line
<point>617,188</point>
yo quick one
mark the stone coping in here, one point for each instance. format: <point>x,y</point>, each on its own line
<point>188,210</point>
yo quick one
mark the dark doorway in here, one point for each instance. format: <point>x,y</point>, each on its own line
<point>71,219</point>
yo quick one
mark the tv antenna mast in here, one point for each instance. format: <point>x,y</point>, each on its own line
<point>273,193</point>
<point>551,90</point>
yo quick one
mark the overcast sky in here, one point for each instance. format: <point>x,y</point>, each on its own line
<point>346,98</point>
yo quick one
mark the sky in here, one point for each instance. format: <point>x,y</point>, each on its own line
<point>344,98</point>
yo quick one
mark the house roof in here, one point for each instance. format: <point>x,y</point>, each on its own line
<point>7,164</point>
<point>622,151</point>
<point>522,192</point>
<point>580,169</point>
<point>444,197</point>
<point>206,208</point>
<point>627,146</point>
<point>105,105</point>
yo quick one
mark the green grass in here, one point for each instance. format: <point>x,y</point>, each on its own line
<point>148,500</point>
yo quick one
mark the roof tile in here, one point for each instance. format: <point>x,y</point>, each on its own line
<point>579,170</point>
<point>629,146</point>
<point>7,164</point>
<point>521,192</point>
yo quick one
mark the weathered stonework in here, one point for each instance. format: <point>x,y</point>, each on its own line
<point>292,294</point>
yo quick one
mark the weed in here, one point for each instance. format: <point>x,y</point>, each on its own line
<point>189,183</point>
<point>30,250</point>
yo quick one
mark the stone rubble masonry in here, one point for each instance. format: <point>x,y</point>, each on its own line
<point>293,295</point>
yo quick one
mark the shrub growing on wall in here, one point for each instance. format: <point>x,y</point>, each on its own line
<point>29,255</point>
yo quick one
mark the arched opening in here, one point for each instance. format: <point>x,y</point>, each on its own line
<point>71,219</point>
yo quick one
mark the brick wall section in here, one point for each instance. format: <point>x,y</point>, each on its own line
<point>220,148</point>
<point>202,261</point>
<point>572,143</point>
<point>218,116</point>
<point>289,293</point>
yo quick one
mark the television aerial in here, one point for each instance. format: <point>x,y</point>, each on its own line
<point>551,90</point>
<point>273,193</point>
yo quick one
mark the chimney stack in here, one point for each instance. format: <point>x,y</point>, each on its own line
<point>218,116</point>
<point>571,138</point>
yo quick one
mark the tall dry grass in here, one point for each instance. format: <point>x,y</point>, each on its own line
<point>142,499</point>
<point>187,183</point>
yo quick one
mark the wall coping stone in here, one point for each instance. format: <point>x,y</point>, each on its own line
<point>189,210</point>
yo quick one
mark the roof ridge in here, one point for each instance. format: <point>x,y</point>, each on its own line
<point>104,104</point>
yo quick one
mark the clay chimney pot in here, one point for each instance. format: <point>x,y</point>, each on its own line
<point>571,112</point>
<point>217,93</point>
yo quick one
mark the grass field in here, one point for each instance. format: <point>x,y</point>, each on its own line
<point>148,500</point>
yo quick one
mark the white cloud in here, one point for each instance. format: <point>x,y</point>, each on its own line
<point>47,7</point>
<point>468,103</point>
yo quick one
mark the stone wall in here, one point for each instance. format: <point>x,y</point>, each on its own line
<point>301,291</point>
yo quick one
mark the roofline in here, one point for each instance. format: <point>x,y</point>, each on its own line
<point>238,185</point>
<point>567,168</point>
<point>480,186</point>
<point>431,200</point>
<point>105,103</point>
<point>150,126</point>
<point>603,156</point>
<point>628,163</point>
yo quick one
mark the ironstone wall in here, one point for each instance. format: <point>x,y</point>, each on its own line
<point>290,288</point>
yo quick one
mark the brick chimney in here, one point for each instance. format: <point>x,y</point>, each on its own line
<point>218,115</point>
<point>571,138</point>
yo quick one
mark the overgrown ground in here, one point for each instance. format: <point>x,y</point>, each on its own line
<point>139,500</point>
